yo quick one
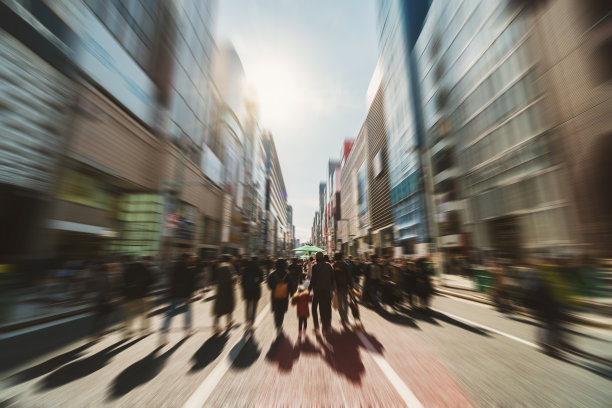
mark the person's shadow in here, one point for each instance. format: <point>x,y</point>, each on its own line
<point>341,352</point>
<point>141,371</point>
<point>50,365</point>
<point>85,366</point>
<point>282,353</point>
<point>248,354</point>
<point>209,351</point>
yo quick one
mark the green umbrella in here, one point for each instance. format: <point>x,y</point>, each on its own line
<point>308,248</point>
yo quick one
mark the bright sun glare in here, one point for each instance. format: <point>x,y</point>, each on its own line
<point>278,90</point>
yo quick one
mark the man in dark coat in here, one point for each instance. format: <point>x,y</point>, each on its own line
<point>137,279</point>
<point>322,285</point>
<point>295,271</point>
<point>252,277</point>
<point>182,286</point>
<point>342,278</point>
<point>224,300</point>
<point>281,286</point>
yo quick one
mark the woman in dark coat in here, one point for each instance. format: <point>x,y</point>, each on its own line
<point>252,276</point>
<point>224,300</point>
<point>280,297</point>
<point>423,285</point>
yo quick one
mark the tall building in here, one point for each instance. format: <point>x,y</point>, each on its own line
<point>125,180</point>
<point>231,115</point>
<point>276,202</point>
<point>381,221</point>
<point>355,209</point>
<point>495,172</point>
<point>333,204</point>
<point>574,69</point>
<point>399,24</point>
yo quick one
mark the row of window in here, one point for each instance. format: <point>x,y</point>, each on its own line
<point>519,129</point>
<point>529,193</point>
<point>539,228</point>
<point>532,156</point>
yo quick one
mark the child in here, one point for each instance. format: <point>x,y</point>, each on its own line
<point>301,299</point>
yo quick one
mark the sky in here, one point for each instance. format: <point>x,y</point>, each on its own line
<point>310,63</point>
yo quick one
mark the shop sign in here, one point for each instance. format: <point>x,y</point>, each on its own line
<point>450,241</point>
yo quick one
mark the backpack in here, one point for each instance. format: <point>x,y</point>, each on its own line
<point>281,290</point>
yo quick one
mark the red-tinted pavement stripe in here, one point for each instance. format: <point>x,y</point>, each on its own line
<point>338,372</point>
<point>431,382</point>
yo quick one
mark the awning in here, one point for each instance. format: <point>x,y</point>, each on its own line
<point>78,227</point>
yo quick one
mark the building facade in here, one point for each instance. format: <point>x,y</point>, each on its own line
<point>495,171</point>
<point>399,25</point>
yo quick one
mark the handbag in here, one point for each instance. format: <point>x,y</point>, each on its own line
<point>280,290</point>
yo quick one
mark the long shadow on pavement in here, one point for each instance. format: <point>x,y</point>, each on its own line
<point>141,371</point>
<point>344,354</point>
<point>86,366</point>
<point>49,365</point>
<point>209,351</point>
<point>339,350</point>
<point>249,353</point>
<point>432,316</point>
<point>457,323</point>
<point>399,317</point>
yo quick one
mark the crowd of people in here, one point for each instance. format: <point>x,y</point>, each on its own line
<point>314,286</point>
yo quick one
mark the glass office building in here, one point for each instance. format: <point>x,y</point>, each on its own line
<point>399,23</point>
<point>484,117</point>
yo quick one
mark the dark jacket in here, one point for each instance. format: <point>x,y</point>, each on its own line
<point>252,277</point>
<point>224,301</point>
<point>342,276</point>
<point>279,276</point>
<point>182,280</point>
<point>295,271</point>
<point>322,279</point>
<point>137,279</point>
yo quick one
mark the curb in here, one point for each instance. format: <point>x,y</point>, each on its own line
<point>579,320</point>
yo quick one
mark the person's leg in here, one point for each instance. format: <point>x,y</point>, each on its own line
<point>230,320</point>
<point>144,309</point>
<point>343,305</point>
<point>248,305</point>
<point>129,310</point>
<point>254,315</point>
<point>326,313</point>
<point>315,314</point>
<point>188,316</point>
<point>278,319</point>
<point>169,315</point>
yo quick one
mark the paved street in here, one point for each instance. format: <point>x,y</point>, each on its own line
<point>463,354</point>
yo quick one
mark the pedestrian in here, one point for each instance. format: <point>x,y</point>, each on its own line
<point>224,299</point>
<point>252,277</point>
<point>322,286</point>
<point>309,267</point>
<point>281,286</point>
<point>374,279</point>
<point>182,286</point>
<point>409,282</point>
<point>103,299</point>
<point>295,271</point>
<point>301,299</point>
<point>423,285</point>
<point>137,280</point>
<point>342,279</point>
